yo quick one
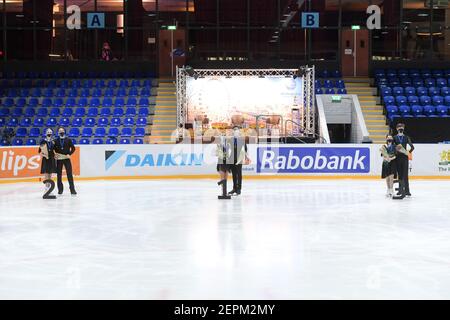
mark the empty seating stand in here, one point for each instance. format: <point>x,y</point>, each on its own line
<point>95,108</point>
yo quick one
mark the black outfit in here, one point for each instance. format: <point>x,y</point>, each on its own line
<point>64,146</point>
<point>402,162</point>
<point>48,166</point>
<point>223,162</point>
<point>236,168</point>
<point>389,168</point>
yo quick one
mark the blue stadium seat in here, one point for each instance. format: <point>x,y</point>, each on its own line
<point>112,83</point>
<point>438,100</point>
<point>21,132</point>
<point>430,82</point>
<point>12,122</point>
<point>107,102</point>
<point>24,93</point>
<point>51,122</point>
<point>116,122</point>
<point>36,92</point>
<point>31,142</point>
<point>30,112</point>
<point>417,82</point>
<point>64,84</point>
<point>9,102</point>
<point>442,111</point>
<point>145,92</point>
<point>100,132</point>
<point>74,141</point>
<point>126,132</point>
<point>141,122</point>
<point>97,141</point>
<point>144,112</point>
<point>421,91</point>
<point>4,142</point>
<point>328,84</point>
<point>46,103</point>
<point>92,112</point>
<point>391,73</point>
<point>94,103</point>
<point>413,100</point>
<point>425,100</point>
<point>133,92</point>
<point>397,91</point>
<point>123,83</point>
<point>109,92</point>
<point>429,111</point>
<point>125,141</point>
<point>140,132</point>
<point>391,110</point>
<point>437,73</point>
<point>90,122</point>
<point>21,102</point>
<point>447,101</point>
<point>64,122</point>
<point>118,112</point>
<point>441,82</point>
<point>84,141</point>
<point>105,112</point>
<point>48,93</point>
<point>433,91</point>
<point>132,102</point>
<point>33,102</point>
<point>100,83</point>
<point>341,91</point>
<point>128,122</point>
<point>111,141</point>
<point>73,93</point>
<point>76,84</point>
<point>38,122</point>
<point>122,92</point>
<point>80,112</point>
<point>74,133</point>
<point>135,83</point>
<point>329,91</point>
<point>131,112</point>
<point>147,83</point>
<point>401,100</point>
<point>17,112</point>
<point>77,122</point>
<point>103,122</point>
<point>58,102</point>
<point>445,91</point>
<point>97,93</point>
<point>386,91</point>
<point>67,112</point>
<point>82,103</point>
<point>85,92</point>
<point>87,83</point>
<point>113,132</point>
<point>405,111</point>
<point>2,122</point>
<point>55,112</point>
<point>25,122</point>
<point>389,100</point>
<point>417,110</point>
<point>426,73</point>
<point>138,141</point>
<point>319,91</point>
<point>61,93</point>
<point>17,142</point>
<point>71,102</point>
<point>86,133</point>
<point>410,91</point>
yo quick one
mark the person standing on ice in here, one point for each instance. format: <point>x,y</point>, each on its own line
<point>389,169</point>
<point>402,142</point>
<point>46,150</point>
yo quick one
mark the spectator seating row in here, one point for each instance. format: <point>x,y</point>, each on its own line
<point>414,82</point>
<point>72,102</point>
<point>328,74</point>
<point>330,91</point>
<point>415,100</point>
<point>413,73</point>
<point>85,132</point>
<point>329,84</point>
<point>83,141</point>
<point>77,74</point>
<point>414,91</point>
<point>417,111</point>
<point>78,112</point>
<point>75,92</point>
<point>75,122</point>
<point>76,83</point>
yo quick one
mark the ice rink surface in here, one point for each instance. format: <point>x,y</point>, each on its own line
<point>172,239</point>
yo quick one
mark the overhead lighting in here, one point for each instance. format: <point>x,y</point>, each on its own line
<point>422,15</point>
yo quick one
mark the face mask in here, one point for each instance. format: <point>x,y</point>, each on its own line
<point>400,132</point>
<point>61,134</point>
<point>49,135</point>
<point>389,141</point>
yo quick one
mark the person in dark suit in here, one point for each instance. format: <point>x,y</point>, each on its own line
<point>402,142</point>
<point>64,148</point>
<point>239,156</point>
<point>48,165</point>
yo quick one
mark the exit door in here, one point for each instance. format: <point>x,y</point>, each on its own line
<point>172,47</point>
<point>355,53</point>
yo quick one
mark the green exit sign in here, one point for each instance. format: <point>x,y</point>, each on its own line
<point>171,27</point>
<point>356,27</point>
<point>336,99</point>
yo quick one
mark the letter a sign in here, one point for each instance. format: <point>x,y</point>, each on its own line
<point>310,20</point>
<point>95,20</point>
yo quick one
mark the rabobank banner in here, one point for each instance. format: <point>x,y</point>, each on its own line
<point>313,160</point>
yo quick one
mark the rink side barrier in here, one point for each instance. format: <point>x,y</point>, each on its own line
<point>185,161</point>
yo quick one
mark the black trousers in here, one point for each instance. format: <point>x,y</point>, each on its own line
<point>403,173</point>
<point>236,170</point>
<point>59,167</point>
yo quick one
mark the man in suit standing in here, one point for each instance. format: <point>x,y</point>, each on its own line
<point>64,148</point>
<point>402,141</point>
<point>238,157</point>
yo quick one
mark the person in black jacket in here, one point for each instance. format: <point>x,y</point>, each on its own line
<point>48,165</point>
<point>402,141</point>
<point>239,156</point>
<point>64,148</point>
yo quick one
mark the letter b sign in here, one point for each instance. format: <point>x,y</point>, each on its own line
<point>310,19</point>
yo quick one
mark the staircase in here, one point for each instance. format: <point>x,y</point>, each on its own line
<point>165,118</point>
<point>372,110</point>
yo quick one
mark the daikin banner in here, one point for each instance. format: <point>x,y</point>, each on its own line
<point>184,160</point>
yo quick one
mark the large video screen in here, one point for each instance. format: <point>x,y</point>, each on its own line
<point>220,98</point>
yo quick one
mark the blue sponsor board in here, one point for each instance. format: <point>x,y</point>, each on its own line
<point>96,20</point>
<point>134,160</point>
<point>313,160</point>
<point>310,20</point>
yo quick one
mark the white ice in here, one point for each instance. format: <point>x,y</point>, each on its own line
<point>172,239</point>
